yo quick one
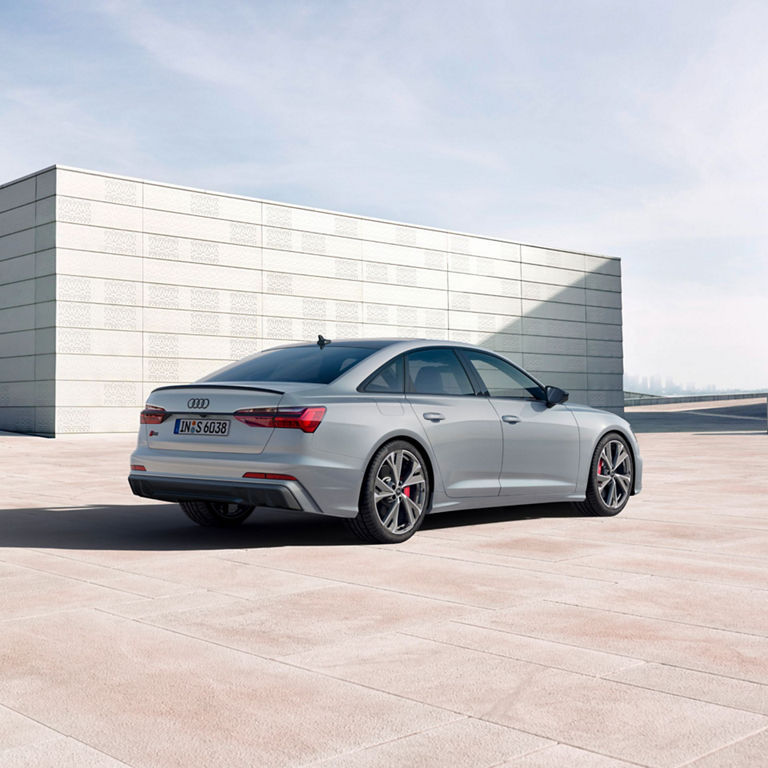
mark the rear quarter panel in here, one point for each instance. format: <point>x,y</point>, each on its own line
<point>335,457</point>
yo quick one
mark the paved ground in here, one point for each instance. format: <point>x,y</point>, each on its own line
<point>517,638</point>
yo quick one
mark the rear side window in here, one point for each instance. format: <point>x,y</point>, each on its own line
<point>389,378</point>
<point>437,372</point>
<point>309,364</point>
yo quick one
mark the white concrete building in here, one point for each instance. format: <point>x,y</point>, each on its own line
<point>110,286</point>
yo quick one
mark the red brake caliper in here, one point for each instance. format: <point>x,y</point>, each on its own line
<point>600,467</point>
<point>407,491</point>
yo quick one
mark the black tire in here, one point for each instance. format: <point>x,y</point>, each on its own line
<point>393,517</point>
<point>611,480</point>
<point>216,514</point>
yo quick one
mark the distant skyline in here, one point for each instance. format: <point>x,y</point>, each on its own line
<point>660,385</point>
<point>631,129</point>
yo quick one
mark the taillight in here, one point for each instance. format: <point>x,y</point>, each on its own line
<point>153,414</point>
<point>305,419</point>
<point>138,468</point>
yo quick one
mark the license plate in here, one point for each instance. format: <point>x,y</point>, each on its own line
<point>212,427</point>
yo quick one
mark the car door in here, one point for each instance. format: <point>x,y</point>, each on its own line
<point>541,445</point>
<point>463,429</point>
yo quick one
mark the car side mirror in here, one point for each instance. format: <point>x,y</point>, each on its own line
<point>555,396</point>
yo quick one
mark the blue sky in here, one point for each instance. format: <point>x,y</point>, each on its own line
<point>635,129</point>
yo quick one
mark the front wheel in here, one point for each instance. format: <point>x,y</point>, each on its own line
<point>611,477</point>
<point>216,514</point>
<point>394,496</point>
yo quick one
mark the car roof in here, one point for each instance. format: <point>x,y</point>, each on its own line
<point>381,343</point>
<point>365,343</point>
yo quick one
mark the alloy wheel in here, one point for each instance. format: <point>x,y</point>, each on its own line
<point>614,474</point>
<point>399,491</point>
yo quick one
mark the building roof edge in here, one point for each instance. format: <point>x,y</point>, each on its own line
<point>305,208</point>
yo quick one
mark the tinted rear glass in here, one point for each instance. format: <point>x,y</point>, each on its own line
<point>389,378</point>
<point>304,364</point>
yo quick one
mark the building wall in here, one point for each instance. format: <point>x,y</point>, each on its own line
<point>157,284</point>
<point>27,314</point>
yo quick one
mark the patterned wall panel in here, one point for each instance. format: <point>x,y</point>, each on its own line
<point>26,321</point>
<point>151,284</point>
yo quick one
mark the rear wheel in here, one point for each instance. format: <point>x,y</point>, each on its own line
<point>394,496</point>
<point>611,477</point>
<point>216,514</point>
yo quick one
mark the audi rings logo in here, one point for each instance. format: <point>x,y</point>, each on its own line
<point>198,402</point>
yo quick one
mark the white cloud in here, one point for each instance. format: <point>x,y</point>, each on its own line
<point>634,129</point>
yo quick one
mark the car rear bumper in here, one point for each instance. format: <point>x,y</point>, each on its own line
<point>275,494</point>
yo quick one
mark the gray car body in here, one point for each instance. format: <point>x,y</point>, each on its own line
<point>486,452</point>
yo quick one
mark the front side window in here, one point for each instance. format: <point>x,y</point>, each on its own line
<point>310,364</point>
<point>436,372</point>
<point>502,379</point>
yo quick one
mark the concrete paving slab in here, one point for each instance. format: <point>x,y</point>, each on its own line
<point>150,697</point>
<point>750,751</point>
<point>424,547</point>
<point>533,650</point>
<point>31,593</point>
<point>716,689</point>
<point>562,755</point>
<point>541,547</point>
<point>529,636</point>
<point>465,743</point>
<point>16,730</point>
<point>583,711</point>
<point>227,576</point>
<point>731,654</point>
<point>738,609</point>
<point>472,584</point>
<point>58,753</point>
<point>56,564</point>
<point>698,569</point>
<point>275,626</point>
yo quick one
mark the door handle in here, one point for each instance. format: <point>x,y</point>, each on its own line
<point>433,416</point>
<point>510,419</point>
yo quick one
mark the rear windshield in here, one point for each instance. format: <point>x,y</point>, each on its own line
<point>311,365</point>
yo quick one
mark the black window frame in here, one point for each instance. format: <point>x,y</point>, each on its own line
<point>477,379</point>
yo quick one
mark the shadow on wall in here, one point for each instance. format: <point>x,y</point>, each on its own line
<point>569,335</point>
<point>164,528</point>
<point>568,331</point>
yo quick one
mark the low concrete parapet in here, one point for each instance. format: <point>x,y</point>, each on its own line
<point>664,400</point>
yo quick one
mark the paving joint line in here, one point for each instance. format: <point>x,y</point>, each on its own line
<point>657,618</point>
<point>725,746</point>
<point>611,653</point>
<point>60,734</point>
<point>382,589</point>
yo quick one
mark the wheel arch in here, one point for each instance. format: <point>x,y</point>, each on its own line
<point>617,430</point>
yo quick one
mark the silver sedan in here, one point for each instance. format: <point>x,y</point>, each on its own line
<point>380,432</point>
